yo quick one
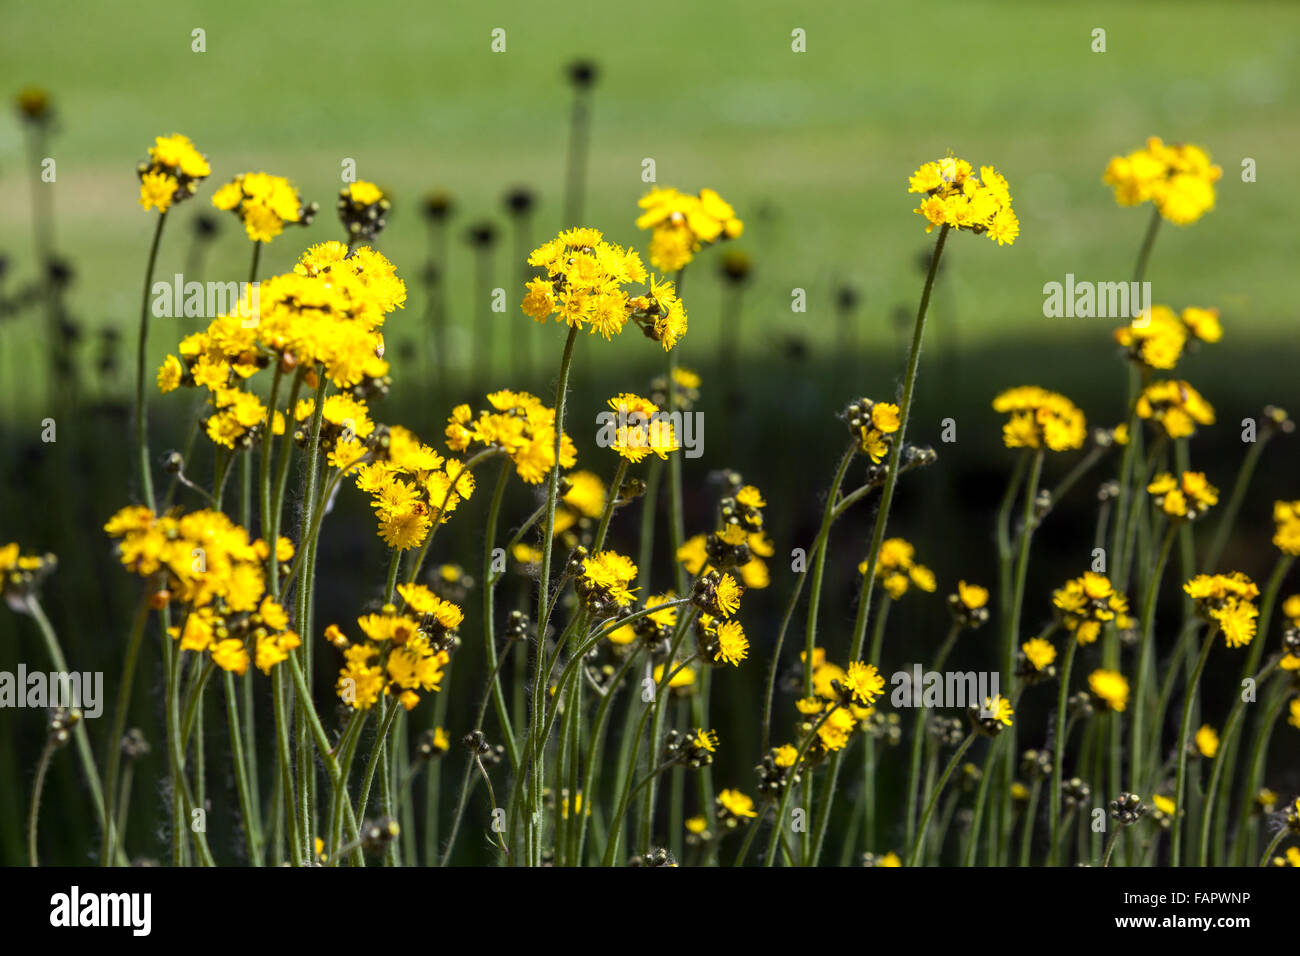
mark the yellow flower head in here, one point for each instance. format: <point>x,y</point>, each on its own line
<point>583,288</point>
<point>956,197</point>
<point>1227,600</point>
<point>1185,498</point>
<point>1110,687</point>
<point>1040,419</point>
<point>1174,406</point>
<point>264,204</point>
<point>682,224</point>
<point>1178,179</point>
<point>1286,538</point>
<point>1207,741</point>
<point>173,173</point>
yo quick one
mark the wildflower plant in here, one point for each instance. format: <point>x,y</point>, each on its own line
<point>595,660</point>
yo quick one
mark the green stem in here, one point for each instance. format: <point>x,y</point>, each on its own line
<point>953,763</point>
<point>1063,693</point>
<point>142,347</point>
<point>1184,737</point>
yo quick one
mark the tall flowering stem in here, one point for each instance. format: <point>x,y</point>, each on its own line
<point>141,358</point>
<point>533,823</point>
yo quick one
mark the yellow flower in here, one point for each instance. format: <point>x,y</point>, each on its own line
<point>1039,652</point>
<point>956,197</point>
<point>897,570</point>
<point>1040,419</point>
<point>1227,601</point>
<point>682,224</point>
<point>736,804</point>
<point>1183,499</point>
<point>1110,687</point>
<point>1286,518</point>
<point>1178,179</point>
<point>173,173</point>
<point>583,288</point>
<point>863,682</point>
<point>1175,406</point>
<point>264,204</point>
<point>1207,741</point>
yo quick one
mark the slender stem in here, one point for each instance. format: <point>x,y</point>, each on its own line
<point>1058,748</point>
<point>142,355</point>
<point>252,836</point>
<point>953,763</point>
<point>34,812</point>
<point>779,824</point>
<point>114,761</point>
<point>543,611</point>
<point>1145,653</point>
<point>1184,737</point>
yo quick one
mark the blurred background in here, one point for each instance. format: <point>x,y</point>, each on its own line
<point>813,149</point>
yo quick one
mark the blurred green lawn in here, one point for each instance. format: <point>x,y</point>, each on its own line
<point>813,148</point>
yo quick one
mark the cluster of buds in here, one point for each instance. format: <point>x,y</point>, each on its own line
<point>884,727</point>
<point>376,835</point>
<point>778,770</point>
<point>433,743</point>
<point>656,857</point>
<point>1036,764</point>
<point>450,582</point>
<point>362,208</point>
<point>994,717</point>
<point>717,594</point>
<point>683,395</point>
<point>1127,809</point>
<point>1079,706</point>
<point>1075,793</point>
<point>873,424</point>
<point>62,720</point>
<point>481,748</point>
<point>949,731</point>
<point>517,626</point>
<point>134,746</point>
<point>694,750</point>
<point>969,605</point>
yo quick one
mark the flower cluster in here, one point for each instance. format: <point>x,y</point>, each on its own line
<point>1156,338</point>
<point>412,486</point>
<point>956,197</point>
<point>362,208</point>
<point>520,426</point>
<point>403,653</point>
<point>603,580</point>
<point>1086,603</point>
<point>264,203</point>
<point>1178,179</point>
<point>1286,521</point>
<point>205,563</point>
<point>173,173</point>
<point>1040,419</point>
<point>968,605</point>
<point>874,425</point>
<point>583,288</point>
<point>328,311</point>
<point>897,569</point>
<point>1228,601</point>
<point>738,543</point>
<point>21,574</point>
<point>1175,406</point>
<point>1183,498</point>
<point>682,224</point>
<point>638,428</point>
